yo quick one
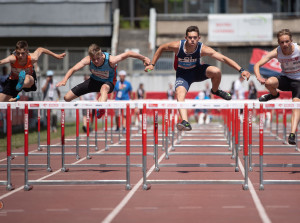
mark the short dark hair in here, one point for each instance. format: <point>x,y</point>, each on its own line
<point>192,29</point>
<point>284,32</point>
<point>22,44</point>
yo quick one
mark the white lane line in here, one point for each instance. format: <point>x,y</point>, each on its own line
<point>260,208</point>
<point>15,210</point>
<point>42,178</point>
<point>126,199</point>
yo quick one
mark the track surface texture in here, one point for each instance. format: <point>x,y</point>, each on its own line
<point>166,202</point>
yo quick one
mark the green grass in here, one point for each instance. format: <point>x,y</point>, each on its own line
<point>17,139</point>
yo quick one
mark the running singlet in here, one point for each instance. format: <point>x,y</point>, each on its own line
<point>290,64</point>
<point>186,61</point>
<point>16,68</point>
<point>103,73</point>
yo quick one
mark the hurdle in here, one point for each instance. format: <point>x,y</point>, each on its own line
<point>28,184</point>
<point>222,105</point>
<point>233,154</point>
<point>8,183</point>
<point>275,105</point>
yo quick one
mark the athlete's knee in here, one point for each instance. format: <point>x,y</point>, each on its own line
<point>296,99</point>
<point>213,72</point>
<point>271,82</point>
<point>67,99</point>
<point>105,88</point>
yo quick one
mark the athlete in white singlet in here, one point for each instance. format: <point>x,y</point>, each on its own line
<point>288,54</point>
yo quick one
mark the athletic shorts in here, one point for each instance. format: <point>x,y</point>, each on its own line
<point>90,85</point>
<point>10,86</point>
<point>287,84</point>
<point>187,77</point>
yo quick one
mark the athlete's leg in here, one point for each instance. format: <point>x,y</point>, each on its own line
<point>295,117</point>
<point>214,74</point>
<point>28,82</point>
<point>104,92</point>
<point>4,97</point>
<point>70,96</point>
<point>103,97</point>
<point>181,93</point>
<point>272,84</point>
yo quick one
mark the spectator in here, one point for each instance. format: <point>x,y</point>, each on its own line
<point>3,77</point>
<point>171,92</point>
<point>51,93</point>
<point>239,90</point>
<point>140,95</point>
<point>123,90</point>
<point>252,91</point>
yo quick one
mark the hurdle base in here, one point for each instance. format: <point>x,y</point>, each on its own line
<point>146,186</point>
<point>9,187</point>
<point>28,187</point>
<point>64,169</point>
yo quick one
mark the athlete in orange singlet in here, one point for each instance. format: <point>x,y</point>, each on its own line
<point>22,74</point>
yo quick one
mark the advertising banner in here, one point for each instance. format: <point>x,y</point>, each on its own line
<point>240,27</point>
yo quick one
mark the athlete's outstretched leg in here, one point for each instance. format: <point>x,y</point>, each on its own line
<point>103,97</point>
<point>184,125</point>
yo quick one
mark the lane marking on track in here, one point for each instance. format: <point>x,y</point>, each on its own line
<point>42,178</point>
<point>130,194</point>
<point>260,208</point>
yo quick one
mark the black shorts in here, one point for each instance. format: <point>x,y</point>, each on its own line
<point>91,85</point>
<point>187,77</point>
<point>287,84</point>
<point>10,86</point>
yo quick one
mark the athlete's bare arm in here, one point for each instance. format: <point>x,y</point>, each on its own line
<point>39,51</point>
<point>264,60</point>
<point>113,60</point>
<point>9,59</point>
<point>85,61</point>
<point>172,46</point>
<point>208,51</point>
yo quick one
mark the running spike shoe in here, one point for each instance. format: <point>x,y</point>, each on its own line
<point>267,97</point>
<point>222,94</point>
<point>184,126</point>
<point>20,83</point>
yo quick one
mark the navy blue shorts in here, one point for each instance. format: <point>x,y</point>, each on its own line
<point>90,85</point>
<point>186,77</point>
<point>287,84</point>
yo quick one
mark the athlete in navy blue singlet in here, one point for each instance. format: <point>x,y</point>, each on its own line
<point>103,74</point>
<point>189,70</point>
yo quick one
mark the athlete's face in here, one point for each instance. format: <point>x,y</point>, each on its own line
<point>97,59</point>
<point>285,43</point>
<point>21,54</point>
<point>192,38</point>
